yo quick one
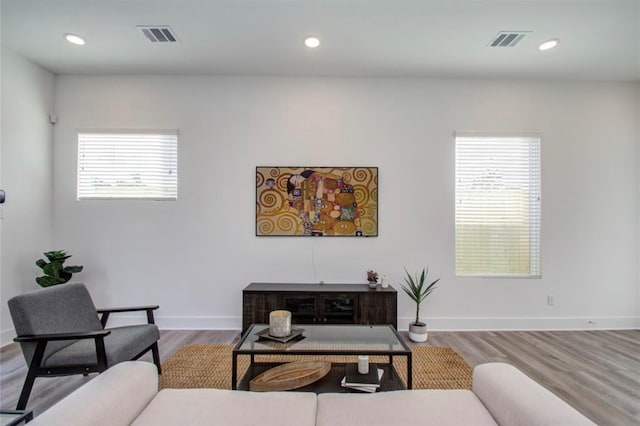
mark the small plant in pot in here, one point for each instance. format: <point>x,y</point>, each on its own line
<point>54,270</point>
<point>372,278</point>
<point>417,289</point>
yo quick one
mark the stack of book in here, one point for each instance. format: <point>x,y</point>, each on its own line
<point>369,382</point>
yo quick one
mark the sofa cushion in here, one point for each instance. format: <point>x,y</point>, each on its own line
<point>201,407</point>
<point>515,399</point>
<point>406,408</point>
<point>114,398</point>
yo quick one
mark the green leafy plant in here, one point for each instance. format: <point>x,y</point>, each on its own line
<point>418,290</point>
<point>54,271</point>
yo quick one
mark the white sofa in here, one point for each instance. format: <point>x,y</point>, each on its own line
<point>127,394</point>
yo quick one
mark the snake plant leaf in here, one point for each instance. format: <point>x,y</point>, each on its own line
<point>415,288</point>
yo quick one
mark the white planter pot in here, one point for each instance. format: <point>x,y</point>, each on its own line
<point>418,332</point>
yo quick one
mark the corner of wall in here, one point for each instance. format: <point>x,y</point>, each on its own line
<point>26,145</point>
<point>638,192</point>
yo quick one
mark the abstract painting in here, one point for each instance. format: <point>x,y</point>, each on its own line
<point>317,201</point>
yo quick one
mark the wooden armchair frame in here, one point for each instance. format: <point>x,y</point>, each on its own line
<point>36,369</point>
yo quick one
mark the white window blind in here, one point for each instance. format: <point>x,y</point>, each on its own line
<point>497,206</point>
<point>128,165</point>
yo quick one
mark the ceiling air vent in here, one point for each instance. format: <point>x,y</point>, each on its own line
<point>507,38</point>
<point>158,33</point>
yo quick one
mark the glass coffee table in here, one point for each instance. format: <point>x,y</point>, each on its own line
<point>336,343</point>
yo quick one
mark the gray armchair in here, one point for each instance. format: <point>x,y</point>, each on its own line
<point>60,334</point>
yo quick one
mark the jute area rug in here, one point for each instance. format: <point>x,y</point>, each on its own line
<point>209,366</point>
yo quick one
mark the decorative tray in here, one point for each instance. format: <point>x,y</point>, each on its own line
<point>295,333</point>
<point>292,375</point>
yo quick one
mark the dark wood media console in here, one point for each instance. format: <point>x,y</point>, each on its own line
<point>320,304</point>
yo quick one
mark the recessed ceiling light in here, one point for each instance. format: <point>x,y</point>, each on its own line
<point>312,42</point>
<point>74,39</point>
<point>549,44</point>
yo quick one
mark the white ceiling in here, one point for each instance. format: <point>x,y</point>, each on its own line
<point>599,39</point>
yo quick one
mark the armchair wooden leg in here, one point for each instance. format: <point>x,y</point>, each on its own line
<point>26,390</point>
<point>156,357</point>
<point>31,375</point>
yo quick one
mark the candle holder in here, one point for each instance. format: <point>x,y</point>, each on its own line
<point>280,323</point>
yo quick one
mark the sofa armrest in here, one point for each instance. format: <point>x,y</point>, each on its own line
<point>514,399</point>
<point>115,398</point>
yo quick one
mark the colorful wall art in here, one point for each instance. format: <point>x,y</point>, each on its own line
<point>317,201</point>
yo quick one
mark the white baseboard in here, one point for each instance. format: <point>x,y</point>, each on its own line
<point>6,336</point>
<point>522,323</point>
<point>434,324</point>
<point>180,323</point>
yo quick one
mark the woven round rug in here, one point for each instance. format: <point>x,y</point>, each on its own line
<point>209,366</point>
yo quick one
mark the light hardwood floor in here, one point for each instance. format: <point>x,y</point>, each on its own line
<point>598,372</point>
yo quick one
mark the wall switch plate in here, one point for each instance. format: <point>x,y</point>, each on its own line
<point>551,300</point>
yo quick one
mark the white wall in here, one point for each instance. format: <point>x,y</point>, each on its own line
<point>26,174</point>
<point>638,188</point>
<point>194,256</point>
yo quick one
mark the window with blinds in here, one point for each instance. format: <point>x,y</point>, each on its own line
<point>128,165</point>
<point>497,206</point>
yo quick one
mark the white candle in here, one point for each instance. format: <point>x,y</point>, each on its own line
<point>363,364</point>
<point>385,281</point>
<point>280,323</point>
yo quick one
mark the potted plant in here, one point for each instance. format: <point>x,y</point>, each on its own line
<point>54,271</point>
<point>418,291</point>
<point>372,278</point>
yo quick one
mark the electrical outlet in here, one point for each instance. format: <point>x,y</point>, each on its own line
<point>551,300</point>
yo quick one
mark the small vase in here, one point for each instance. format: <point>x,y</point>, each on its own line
<point>373,284</point>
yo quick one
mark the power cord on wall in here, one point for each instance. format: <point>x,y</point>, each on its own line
<point>313,259</point>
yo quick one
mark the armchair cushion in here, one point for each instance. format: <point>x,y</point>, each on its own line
<point>123,344</point>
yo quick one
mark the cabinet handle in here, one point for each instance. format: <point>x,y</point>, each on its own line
<point>325,320</point>
<point>314,320</point>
